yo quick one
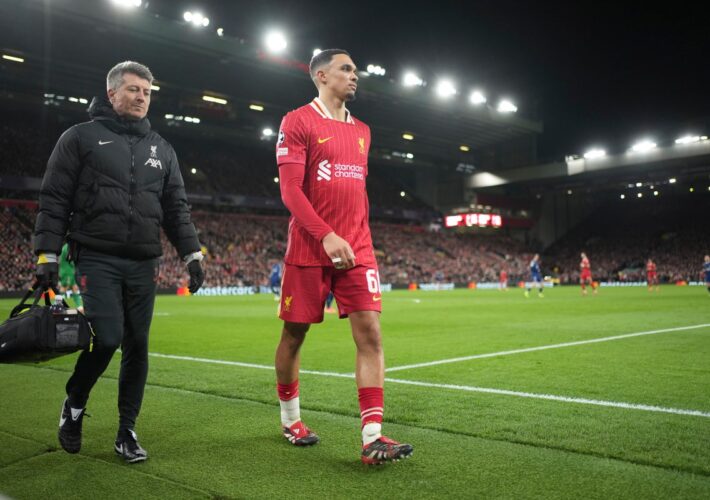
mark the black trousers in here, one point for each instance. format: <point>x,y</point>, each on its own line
<point>119,294</point>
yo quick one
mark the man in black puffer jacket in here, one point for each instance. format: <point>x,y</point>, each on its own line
<point>110,185</point>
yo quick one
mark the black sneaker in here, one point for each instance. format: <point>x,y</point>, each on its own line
<point>384,450</point>
<point>127,446</point>
<point>70,427</point>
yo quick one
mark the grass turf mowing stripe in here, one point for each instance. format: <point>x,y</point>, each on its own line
<point>504,392</point>
<point>552,448</point>
<point>543,347</point>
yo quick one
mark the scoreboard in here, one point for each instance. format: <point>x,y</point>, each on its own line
<point>474,219</point>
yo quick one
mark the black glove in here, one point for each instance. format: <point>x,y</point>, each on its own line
<point>197,275</point>
<point>47,275</point>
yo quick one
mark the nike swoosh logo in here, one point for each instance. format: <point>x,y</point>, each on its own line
<point>375,298</point>
<point>321,141</point>
<point>101,143</point>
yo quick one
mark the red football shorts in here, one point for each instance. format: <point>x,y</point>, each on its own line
<point>651,277</point>
<point>586,275</point>
<point>304,290</point>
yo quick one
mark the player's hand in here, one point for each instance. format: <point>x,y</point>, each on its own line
<point>47,272</point>
<point>339,251</point>
<point>197,275</point>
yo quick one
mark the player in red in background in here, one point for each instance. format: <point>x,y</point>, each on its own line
<point>322,157</point>
<point>503,283</point>
<point>585,275</point>
<point>651,275</point>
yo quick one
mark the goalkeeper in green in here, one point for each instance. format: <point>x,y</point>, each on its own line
<point>67,279</point>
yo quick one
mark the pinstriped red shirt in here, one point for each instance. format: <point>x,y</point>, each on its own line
<point>334,154</point>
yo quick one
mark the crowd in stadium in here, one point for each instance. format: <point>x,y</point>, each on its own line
<point>240,249</point>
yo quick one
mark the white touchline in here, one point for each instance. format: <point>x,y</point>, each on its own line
<point>552,397</point>
<point>246,365</point>
<point>542,348</point>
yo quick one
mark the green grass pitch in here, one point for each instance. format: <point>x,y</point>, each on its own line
<point>621,418</point>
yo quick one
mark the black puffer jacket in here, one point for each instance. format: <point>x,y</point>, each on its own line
<point>113,183</point>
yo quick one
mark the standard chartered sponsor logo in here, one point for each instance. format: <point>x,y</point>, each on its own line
<point>326,171</point>
<point>323,171</point>
<point>349,171</point>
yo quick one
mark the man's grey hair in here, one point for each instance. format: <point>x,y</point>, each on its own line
<point>114,79</point>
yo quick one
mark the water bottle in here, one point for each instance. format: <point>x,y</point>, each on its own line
<point>58,306</point>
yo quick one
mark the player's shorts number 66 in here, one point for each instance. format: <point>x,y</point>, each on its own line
<point>373,280</point>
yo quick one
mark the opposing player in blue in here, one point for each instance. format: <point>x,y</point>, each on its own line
<point>275,280</point>
<point>706,270</point>
<point>329,304</point>
<point>535,277</point>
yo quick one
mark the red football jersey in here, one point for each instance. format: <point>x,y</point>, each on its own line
<point>334,154</point>
<point>584,264</point>
<point>650,267</point>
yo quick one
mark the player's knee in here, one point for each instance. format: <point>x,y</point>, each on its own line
<point>294,333</point>
<point>369,337</point>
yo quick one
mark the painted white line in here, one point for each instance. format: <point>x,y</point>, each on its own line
<point>551,397</point>
<point>246,365</point>
<point>543,347</point>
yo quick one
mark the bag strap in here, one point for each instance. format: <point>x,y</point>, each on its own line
<point>32,292</point>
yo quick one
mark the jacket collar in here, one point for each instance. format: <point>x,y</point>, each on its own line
<point>101,111</point>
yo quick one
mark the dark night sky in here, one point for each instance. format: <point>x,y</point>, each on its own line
<point>593,73</point>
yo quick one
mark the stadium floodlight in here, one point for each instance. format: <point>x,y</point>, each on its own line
<point>569,191</point>
<point>639,184</point>
<point>594,153</point>
<point>412,80</point>
<point>655,193</point>
<point>276,180</point>
<point>639,195</point>
<point>194,170</point>
<point>127,4</point>
<point>256,107</point>
<point>154,87</point>
<point>376,69</point>
<point>196,19</point>
<point>688,139</point>
<point>216,100</point>
<point>220,31</point>
<point>73,99</point>
<point>407,136</point>
<point>169,116</point>
<point>83,100</point>
<point>8,57</point>
<point>464,148</point>
<point>275,41</point>
<point>445,89</point>
<point>505,106</point>
<point>402,194</point>
<point>267,132</point>
<point>623,196</point>
<point>643,146</point>
<point>691,189</point>
<point>477,98</point>
<point>672,180</point>
<point>410,156</point>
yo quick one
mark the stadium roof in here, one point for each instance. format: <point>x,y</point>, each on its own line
<point>81,39</point>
